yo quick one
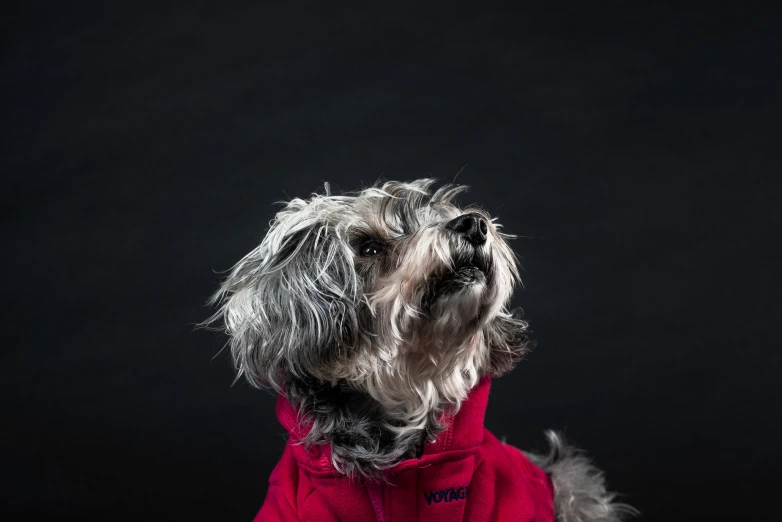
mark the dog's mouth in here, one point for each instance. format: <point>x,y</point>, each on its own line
<point>467,271</point>
<point>470,270</point>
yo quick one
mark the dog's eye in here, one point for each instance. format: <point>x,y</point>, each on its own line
<point>371,248</point>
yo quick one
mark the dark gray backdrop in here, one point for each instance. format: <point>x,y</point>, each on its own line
<point>633,149</point>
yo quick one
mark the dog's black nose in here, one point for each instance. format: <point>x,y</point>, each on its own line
<point>473,226</point>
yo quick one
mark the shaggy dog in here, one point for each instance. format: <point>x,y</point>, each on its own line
<point>379,317</point>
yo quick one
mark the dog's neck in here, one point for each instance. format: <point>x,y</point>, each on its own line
<point>350,429</point>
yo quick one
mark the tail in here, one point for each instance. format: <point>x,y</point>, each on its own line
<point>580,493</point>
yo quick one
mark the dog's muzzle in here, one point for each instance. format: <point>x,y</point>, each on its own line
<point>471,263</point>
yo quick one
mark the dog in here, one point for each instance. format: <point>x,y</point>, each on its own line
<point>379,318</point>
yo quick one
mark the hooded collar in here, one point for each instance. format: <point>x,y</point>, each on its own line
<point>463,430</point>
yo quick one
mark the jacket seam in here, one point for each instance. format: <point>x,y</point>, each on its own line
<point>285,496</point>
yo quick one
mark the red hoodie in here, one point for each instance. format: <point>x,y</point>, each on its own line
<point>466,474</point>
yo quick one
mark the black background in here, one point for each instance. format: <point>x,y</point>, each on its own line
<point>634,148</point>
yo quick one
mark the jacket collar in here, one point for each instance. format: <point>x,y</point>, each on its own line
<point>463,430</point>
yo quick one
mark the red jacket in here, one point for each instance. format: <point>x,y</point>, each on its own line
<point>467,474</point>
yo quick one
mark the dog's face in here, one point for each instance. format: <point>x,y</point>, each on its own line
<point>391,292</point>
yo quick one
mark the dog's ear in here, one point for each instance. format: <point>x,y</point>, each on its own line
<point>290,305</point>
<point>508,340</point>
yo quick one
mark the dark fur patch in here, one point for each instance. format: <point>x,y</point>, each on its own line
<point>509,342</point>
<point>354,425</point>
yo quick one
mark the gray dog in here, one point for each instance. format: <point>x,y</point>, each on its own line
<point>374,315</point>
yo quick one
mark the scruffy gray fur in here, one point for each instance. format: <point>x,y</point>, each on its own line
<point>376,312</point>
<point>580,493</point>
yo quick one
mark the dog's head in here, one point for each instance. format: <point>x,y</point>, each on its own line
<point>392,293</point>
